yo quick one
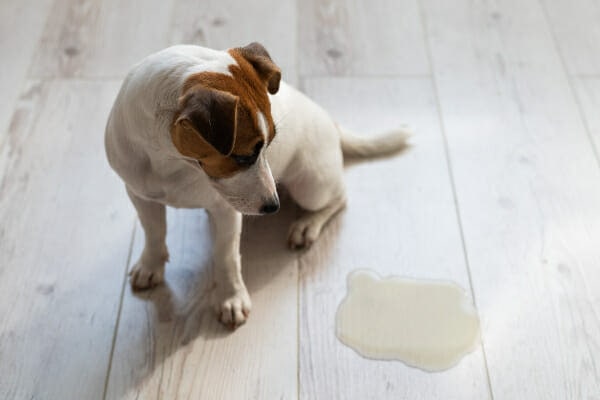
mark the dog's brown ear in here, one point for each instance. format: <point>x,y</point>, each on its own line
<point>268,71</point>
<point>212,114</point>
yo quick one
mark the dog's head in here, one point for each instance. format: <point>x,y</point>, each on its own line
<point>224,123</point>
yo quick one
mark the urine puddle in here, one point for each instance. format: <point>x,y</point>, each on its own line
<point>426,324</point>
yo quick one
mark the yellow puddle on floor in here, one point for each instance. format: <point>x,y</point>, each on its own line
<point>426,324</point>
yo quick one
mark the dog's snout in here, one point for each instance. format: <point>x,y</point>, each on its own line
<point>270,207</point>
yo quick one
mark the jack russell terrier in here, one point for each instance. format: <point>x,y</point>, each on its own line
<point>199,128</point>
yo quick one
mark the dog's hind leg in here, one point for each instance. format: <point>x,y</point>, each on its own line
<point>306,229</point>
<point>149,270</point>
<point>321,198</point>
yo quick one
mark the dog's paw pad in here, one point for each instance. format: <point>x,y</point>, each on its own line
<point>233,311</point>
<point>142,278</point>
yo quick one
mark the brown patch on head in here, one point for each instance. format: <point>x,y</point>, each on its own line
<point>218,118</point>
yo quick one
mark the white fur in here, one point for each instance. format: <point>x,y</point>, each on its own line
<point>305,156</point>
<point>262,124</point>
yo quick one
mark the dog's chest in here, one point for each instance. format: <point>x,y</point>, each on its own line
<point>180,187</point>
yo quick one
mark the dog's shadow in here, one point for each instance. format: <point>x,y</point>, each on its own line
<point>156,324</point>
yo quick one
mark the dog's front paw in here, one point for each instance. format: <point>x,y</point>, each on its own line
<point>145,275</point>
<point>232,309</point>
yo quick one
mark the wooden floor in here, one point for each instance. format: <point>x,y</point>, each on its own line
<point>500,193</point>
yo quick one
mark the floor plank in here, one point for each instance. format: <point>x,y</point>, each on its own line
<point>223,24</point>
<point>21,24</point>
<point>588,93</point>
<point>64,239</point>
<point>575,24</point>
<point>169,344</point>
<point>528,187</point>
<point>338,37</point>
<point>400,220</point>
<point>88,38</point>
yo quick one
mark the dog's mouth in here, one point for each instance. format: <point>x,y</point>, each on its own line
<point>249,205</point>
<point>246,207</point>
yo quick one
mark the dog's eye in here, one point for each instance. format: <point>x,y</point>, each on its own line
<point>244,160</point>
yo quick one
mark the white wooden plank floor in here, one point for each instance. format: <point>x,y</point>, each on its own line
<point>65,237</point>
<point>406,224</point>
<point>21,23</point>
<point>528,191</point>
<point>500,193</point>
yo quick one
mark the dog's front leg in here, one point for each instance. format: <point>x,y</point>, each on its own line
<point>149,270</point>
<point>230,297</point>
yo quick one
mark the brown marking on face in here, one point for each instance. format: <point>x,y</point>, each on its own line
<point>250,79</point>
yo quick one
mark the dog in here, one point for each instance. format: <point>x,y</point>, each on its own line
<point>199,128</point>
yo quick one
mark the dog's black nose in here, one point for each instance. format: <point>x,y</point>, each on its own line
<point>270,207</point>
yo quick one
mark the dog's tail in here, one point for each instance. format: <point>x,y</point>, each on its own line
<point>389,143</point>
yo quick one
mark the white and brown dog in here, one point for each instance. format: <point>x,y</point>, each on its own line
<point>194,127</point>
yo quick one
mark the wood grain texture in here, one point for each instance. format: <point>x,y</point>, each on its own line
<point>528,187</point>
<point>223,24</point>
<point>64,239</point>
<point>400,220</point>
<point>575,25</point>
<point>21,24</point>
<point>588,93</point>
<point>353,37</point>
<point>88,38</point>
<point>169,343</point>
